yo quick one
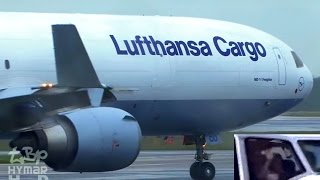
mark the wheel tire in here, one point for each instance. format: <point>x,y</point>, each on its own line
<point>194,170</point>
<point>207,171</point>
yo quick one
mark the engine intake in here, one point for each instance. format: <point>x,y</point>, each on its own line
<point>87,140</point>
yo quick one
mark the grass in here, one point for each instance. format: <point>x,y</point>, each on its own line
<point>4,145</point>
<point>4,159</point>
<point>155,143</point>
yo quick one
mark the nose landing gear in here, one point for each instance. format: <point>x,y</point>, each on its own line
<point>201,170</point>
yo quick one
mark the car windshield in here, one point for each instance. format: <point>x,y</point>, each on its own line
<point>273,158</point>
<point>311,149</point>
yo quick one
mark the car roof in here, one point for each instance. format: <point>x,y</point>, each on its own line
<point>289,137</point>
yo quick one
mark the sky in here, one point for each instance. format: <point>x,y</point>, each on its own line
<point>296,22</point>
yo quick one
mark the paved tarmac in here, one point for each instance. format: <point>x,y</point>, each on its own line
<point>286,123</point>
<point>157,165</point>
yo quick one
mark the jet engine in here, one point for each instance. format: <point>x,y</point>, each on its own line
<point>87,140</point>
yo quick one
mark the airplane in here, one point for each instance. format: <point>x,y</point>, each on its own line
<point>87,87</point>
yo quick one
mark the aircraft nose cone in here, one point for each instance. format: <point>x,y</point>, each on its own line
<point>306,82</point>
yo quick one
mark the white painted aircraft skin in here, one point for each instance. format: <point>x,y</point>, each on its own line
<point>167,94</point>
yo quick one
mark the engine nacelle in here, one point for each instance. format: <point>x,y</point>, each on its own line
<point>88,140</point>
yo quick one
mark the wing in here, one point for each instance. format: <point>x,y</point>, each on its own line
<point>72,91</point>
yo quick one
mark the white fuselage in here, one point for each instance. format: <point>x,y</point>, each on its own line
<point>221,76</point>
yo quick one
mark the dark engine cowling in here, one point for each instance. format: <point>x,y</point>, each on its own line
<point>87,140</point>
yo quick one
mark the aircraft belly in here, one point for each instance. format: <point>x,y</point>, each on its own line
<point>176,117</point>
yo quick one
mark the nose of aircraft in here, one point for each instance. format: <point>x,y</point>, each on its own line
<point>306,81</point>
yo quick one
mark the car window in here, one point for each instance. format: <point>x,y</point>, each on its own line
<point>311,150</point>
<point>272,159</point>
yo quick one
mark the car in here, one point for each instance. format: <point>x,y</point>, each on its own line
<point>277,156</point>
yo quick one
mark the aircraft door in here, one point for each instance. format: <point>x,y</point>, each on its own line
<point>282,72</point>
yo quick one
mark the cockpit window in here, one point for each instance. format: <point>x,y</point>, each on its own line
<point>297,60</point>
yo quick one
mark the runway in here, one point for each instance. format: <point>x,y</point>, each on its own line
<point>157,165</point>
<point>285,123</point>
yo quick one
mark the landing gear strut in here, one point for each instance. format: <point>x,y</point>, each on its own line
<point>201,170</point>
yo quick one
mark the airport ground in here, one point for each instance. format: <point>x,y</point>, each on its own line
<point>166,165</point>
<point>175,164</point>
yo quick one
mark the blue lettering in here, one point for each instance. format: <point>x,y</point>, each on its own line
<point>240,44</point>
<point>140,42</point>
<point>194,50</point>
<point>185,47</point>
<point>262,52</point>
<point>156,44</point>
<point>235,49</point>
<point>171,48</point>
<point>252,51</point>
<point>133,51</point>
<point>115,43</point>
<point>240,48</point>
<point>215,41</point>
<point>205,49</point>
<point>147,45</point>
